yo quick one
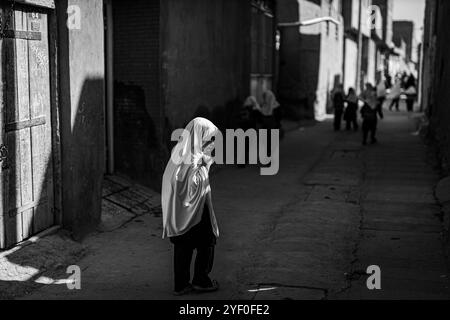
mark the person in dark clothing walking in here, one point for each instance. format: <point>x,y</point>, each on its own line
<point>395,95</point>
<point>410,82</point>
<point>370,122</point>
<point>388,81</point>
<point>411,93</point>
<point>369,114</point>
<point>351,112</point>
<point>338,104</point>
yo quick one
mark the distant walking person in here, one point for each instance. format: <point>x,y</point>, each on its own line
<point>411,93</point>
<point>395,94</point>
<point>404,79</point>
<point>369,96</point>
<point>188,214</point>
<point>369,114</point>
<point>388,81</point>
<point>338,104</point>
<point>351,112</point>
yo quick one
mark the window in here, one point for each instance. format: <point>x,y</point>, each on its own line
<point>262,46</point>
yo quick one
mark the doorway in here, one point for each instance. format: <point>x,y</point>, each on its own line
<point>133,106</point>
<point>26,178</point>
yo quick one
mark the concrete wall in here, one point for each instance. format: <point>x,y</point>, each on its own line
<point>365,27</point>
<point>206,59</point>
<point>429,50</point>
<point>350,13</point>
<point>386,8</point>
<point>351,57</point>
<point>372,63</point>
<point>404,31</point>
<point>175,60</point>
<point>331,60</point>
<point>436,96</point>
<point>297,83</point>
<point>81,101</point>
<point>438,107</point>
<point>350,10</point>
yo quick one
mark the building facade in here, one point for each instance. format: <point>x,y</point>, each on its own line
<point>404,32</point>
<point>436,77</point>
<point>368,41</point>
<point>101,87</point>
<point>382,34</point>
<point>185,59</point>
<point>310,57</point>
<point>352,23</point>
<point>52,104</point>
<point>364,30</point>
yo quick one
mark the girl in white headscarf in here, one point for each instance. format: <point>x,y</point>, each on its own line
<point>270,103</point>
<point>188,215</point>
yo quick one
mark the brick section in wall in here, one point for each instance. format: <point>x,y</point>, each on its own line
<point>138,116</point>
<point>136,48</point>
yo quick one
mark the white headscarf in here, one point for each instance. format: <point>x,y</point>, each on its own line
<point>185,187</point>
<point>269,104</point>
<point>252,102</point>
<point>396,90</point>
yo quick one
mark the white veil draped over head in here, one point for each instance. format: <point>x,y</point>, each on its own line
<point>185,187</point>
<point>270,103</point>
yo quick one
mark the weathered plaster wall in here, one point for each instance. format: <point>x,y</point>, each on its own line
<point>310,57</point>
<point>371,63</point>
<point>206,59</point>
<point>439,107</point>
<point>331,59</point>
<point>351,63</point>
<point>405,31</point>
<point>81,99</point>
<point>293,91</point>
<point>429,53</point>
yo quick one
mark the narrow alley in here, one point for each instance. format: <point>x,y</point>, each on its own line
<point>309,232</point>
<point>113,112</point>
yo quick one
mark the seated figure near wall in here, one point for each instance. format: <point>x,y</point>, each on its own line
<point>249,113</point>
<point>266,115</point>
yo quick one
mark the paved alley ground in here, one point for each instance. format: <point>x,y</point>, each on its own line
<point>309,232</point>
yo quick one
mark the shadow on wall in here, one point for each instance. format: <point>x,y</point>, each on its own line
<point>224,117</point>
<point>83,160</point>
<point>137,152</point>
<point>81,103</point>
